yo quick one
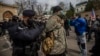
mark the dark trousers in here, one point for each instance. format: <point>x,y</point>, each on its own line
<point>67,32</point>
<point>21,51</point>
<point>96,47</point>
<point>90,31</point>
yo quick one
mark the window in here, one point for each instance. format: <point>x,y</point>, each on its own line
<point>7,15</point>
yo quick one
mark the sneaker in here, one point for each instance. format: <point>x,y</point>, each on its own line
<point>84,53</point>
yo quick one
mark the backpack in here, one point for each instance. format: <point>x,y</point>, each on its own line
<point>24,35</point>
<point>48,43</point>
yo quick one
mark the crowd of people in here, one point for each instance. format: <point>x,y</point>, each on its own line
<point>28,34</point>
<point>94,26</point>
<point>84,27</point>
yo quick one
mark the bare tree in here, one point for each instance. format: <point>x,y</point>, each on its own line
<point>46,6</point>
<point>31,4</point>
<point>20,7</point>
<point>64,6</point>
<point>61,4</point>
<point>40,9</point>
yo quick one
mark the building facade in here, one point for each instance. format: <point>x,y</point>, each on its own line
<point>7,11</point>
<point>80,7</point>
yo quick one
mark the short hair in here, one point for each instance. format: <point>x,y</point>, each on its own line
<point>29,13</point>
<point>56,9</point>
<point>78,14</point>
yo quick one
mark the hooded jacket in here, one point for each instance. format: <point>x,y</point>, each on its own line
<point>54,23</point>
<point>80,25</point>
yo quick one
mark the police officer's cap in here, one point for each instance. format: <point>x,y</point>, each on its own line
<point>28,13</point>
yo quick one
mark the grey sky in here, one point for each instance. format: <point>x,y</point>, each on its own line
<point>55,2</point>
<point>50,2</point>
<point>10,2</point>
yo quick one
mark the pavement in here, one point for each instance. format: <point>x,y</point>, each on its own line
<point>5,46</point>
<point>73,50</point>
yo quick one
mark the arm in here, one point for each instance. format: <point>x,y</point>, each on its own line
<point>51,24</point>
<point>72,22</point>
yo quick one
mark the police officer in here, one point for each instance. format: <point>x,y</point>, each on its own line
<point>23,47</point>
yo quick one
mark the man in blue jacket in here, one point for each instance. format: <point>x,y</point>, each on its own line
<point>80,28</point>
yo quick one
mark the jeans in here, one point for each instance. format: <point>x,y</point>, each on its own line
<point>81,40</point>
